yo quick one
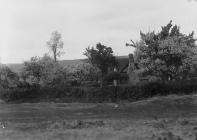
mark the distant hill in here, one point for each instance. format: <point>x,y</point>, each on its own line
<point>16,67</point>
<point>66,63</point>
<point>122,60</point>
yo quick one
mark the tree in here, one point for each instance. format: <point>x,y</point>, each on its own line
<point>32,69</point>
<point>53,73</point>
<point>55,45</point>
<point>168,54</point>
<point>42,71</point>
<point>102,57</point>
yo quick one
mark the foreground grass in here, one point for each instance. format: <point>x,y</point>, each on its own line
<point>159,118</point>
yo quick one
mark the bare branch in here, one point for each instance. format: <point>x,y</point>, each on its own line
<point>132,44</point>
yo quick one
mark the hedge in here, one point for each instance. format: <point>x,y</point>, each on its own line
<point>97,94</point>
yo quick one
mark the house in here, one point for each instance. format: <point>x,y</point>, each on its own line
<point>123,63</point>
<point>129,70</point>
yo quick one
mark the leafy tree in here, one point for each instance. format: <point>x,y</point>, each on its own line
<point>55,45</point>
<point>167,54</point>
<point>102,57</point>
<point>32,70</point>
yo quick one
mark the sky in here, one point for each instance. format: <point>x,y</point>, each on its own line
<point>26,25</point>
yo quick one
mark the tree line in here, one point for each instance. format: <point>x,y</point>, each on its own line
<point>167,55</point>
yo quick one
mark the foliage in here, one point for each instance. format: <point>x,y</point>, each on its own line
<point>82,72</point>
<point>52,73</point>
<point>60,93</point>
<point>55,44</point>
<point>168,54</point>
<point>8,78</point>
<point>101,57</point>
<point>43,71</point>
<point>32,71</point>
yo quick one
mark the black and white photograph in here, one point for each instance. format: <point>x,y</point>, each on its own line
<point>98,69</point>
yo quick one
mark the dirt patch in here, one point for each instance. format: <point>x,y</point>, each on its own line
<point>74,124</point>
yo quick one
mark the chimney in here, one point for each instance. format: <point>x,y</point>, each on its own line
<point>133,77</point>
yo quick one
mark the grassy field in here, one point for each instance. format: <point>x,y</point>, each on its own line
<point>159,118</point>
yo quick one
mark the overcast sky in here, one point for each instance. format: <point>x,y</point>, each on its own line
<point>26,25</point>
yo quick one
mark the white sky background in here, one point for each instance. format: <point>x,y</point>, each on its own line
<point>26,25</point>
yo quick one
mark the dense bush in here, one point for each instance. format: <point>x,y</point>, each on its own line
<point>82,72</point>
<point>43,71</point>
<point>97,94</point>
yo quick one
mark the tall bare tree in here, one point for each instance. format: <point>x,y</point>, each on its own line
<point>55,45</point>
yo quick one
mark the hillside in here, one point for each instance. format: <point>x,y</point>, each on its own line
<point>122,60</point>
<point>17,67</point>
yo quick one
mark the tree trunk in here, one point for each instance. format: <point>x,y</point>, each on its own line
<point>55,57</point>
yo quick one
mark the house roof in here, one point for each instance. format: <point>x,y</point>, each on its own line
<point>123,64</point>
